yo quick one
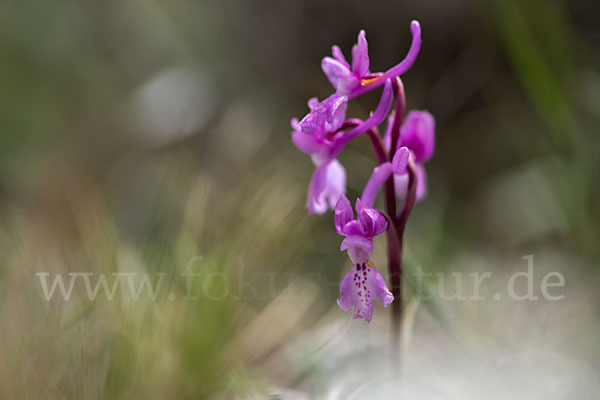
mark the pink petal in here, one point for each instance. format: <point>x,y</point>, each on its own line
<point>372,221</point>
<point>326,116</point>
<point>359,289</point>
<point>400,160</point>
<point>306,143</point>
<point>360,55</point>
<point>351,228</point>
<point>359,248</point>
<point>342,214</point>
<point>340,76</point>
<point>418,134</point>
<point>327,185</point>
<point>401,184</point>
<point>387,136</point>
<point>378,177</point>
<point>339,56</point>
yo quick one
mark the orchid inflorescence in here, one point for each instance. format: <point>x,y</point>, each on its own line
<point>407,143</point>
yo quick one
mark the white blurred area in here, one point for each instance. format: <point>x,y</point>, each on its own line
<point>487,349</point>
<point>173,104</point>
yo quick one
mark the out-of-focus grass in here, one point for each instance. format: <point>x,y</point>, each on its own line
<point>128,348</point>
<point>540,45</point>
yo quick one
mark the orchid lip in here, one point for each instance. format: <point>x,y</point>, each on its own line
<point>360,287</point>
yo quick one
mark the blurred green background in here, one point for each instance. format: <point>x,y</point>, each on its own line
<point>153,136</point>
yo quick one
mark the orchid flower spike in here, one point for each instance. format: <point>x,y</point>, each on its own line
<point>355,80</point>
<point>324,132</point>
<point>363,283</point>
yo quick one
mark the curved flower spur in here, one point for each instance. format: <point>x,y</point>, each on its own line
<point>407,143</point>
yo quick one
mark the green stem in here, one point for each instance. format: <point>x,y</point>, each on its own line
<point>397,221</point>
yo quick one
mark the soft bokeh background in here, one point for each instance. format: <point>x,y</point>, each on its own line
<point>153,136</point>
